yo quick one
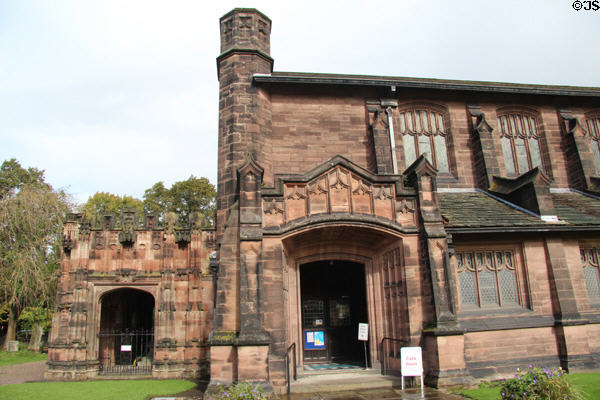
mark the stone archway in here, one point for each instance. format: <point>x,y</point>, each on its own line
<point>368,246</point>
<point>126,334</point>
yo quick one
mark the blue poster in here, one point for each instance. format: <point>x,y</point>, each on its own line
<point>314,340</point>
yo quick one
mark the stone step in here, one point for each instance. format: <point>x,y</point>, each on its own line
<point>332,381</point>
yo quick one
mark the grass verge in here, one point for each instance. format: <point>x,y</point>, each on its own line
<point>20,357</point>
<point>586,383</point>
<point>97,390</point>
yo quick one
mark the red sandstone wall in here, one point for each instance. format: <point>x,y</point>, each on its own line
<point>308,130</point>
<point>510,344</point>
<point>309,127</point>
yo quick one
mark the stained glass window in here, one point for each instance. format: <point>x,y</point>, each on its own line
<point>589,260</point>
<point>593,127</point>
<point>520,140</point>
<point>424,132</point>
<point>488,278</point>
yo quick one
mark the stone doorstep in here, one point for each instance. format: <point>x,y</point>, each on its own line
<point>344,381</point>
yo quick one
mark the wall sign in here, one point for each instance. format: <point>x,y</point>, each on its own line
<point>363,331</point>
<point>314,340</point>
<point>125,347</point>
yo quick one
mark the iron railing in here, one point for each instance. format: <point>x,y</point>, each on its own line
<point>126,352</point>
<point>392,350</point>
<point>287,365</point>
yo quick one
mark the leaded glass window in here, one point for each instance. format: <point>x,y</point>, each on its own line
<point>488,278</point>
<point>593,126</point>
<point>520,139</point>
<point>424,132</point>
<point>589,260</point>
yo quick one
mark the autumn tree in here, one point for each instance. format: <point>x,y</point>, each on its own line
<point>103,203</point>
<point>183,198</point>
<point>31,221</point>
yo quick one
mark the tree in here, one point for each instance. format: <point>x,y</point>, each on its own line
<point>183,198</point>
<point>31,222</point>
<point>13,177</point>
<point>103,203</point>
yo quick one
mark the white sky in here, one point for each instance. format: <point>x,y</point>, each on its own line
<point>118,95</point>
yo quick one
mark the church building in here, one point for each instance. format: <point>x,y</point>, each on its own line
<point>462,217</point>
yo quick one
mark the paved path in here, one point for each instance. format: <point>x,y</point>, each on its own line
<point>20,373</point>
<point>374,394</point>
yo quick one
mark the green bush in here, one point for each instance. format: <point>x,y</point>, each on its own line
<point>240,391</point>
<point>537,384</point>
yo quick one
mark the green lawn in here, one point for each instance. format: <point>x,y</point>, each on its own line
<point>21,356</point>
<point>97,390</point>
<point>587,383</point>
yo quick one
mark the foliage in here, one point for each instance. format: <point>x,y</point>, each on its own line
<point>98,390</point>
<point>32,315</point>
<point>588,384</point>
<point>183,198</point>
<point>103,203</point>
<point>537,383</point>
<point>31,222</point>
<point>13,177</point>
<point>3,313</point>
<point>20,357</point>
<point>240,391</point>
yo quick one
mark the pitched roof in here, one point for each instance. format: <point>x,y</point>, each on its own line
<point>278,77</point>
<point>480,211</point>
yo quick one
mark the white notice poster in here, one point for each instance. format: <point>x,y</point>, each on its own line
<point>412,361</point>
<point>363,332</point>
<point>125,347</point>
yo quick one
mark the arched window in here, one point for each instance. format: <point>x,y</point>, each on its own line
<point>520,137</point>
<point>593,128</point>
<point>424,130</point>
<point>591,273</point>
<point>489,278</point>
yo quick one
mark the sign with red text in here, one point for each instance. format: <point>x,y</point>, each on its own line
<point>412,361</point>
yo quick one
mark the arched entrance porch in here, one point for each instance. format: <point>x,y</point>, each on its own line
<point>126,335</point>
<point>366,256</point>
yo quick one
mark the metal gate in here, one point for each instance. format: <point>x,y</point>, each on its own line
<point>126,352</point>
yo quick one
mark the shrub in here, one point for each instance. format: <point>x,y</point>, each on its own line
<point>240,391</point>
<point>537,384</point>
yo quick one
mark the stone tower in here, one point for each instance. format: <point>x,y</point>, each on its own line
<point>239,344</point>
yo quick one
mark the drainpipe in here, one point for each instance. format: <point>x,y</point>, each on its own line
<point>389,111</point>
<point>214,268</point>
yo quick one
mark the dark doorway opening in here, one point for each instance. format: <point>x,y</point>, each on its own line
<point>126,332</point>
<point>334,302</point>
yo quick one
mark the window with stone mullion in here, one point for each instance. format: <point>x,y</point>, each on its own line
<point>488,279</point>
<point>593,125</point>
<point>424,132</point>
<point>520,143</point>
<point>591,273</point>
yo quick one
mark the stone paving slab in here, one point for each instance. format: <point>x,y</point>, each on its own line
<point>374,394</point>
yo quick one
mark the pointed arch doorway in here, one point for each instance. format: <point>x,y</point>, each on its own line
<point>333,303</point>
<point>337,268</point>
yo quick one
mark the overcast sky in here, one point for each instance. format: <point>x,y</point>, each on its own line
<point>118,95</point>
